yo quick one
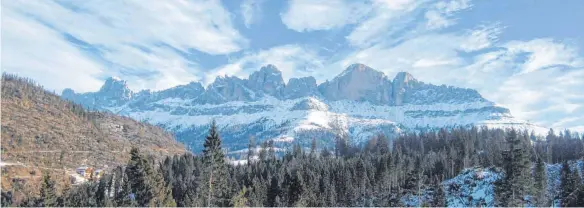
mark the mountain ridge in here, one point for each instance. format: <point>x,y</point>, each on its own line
<point>359,102</point>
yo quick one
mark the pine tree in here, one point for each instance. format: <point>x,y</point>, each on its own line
<point>6,199</point>
<point>570,186</point>
<point>240,200</point>
<point>124,197</point>
<point>566,186</point>
<point>313,148</point>
<point>515,184</point>
<point>162,192</point>
<point>214,189</point>
<point>438,198</point>
<point>251,150</point>
<point>138,172</point>
<point>273,192</point>
<point>540,184</point>
<point>48,194</point>
<point>101,196</point>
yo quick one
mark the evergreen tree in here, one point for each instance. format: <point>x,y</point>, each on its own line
<point>570,186</point>
<point>566,186</point>
<point>251,149</point>
<point>138,172</point>
<point>438,197</point>
<point>101,197</point>
<point>215,189</point>
<point>6,199</point>
<point>273,192</point>
<point>540,184</point>
<point>515,184</point>
<point>162,192</point>
<point>240,199</point>
<point>48,197</point>
<point>124,197</point>
<point>313,148</point>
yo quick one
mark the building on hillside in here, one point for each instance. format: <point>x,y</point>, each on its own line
<point>88,172</point>
<point>81,170</point>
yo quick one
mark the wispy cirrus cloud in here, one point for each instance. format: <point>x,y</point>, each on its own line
<point>122,37</point>
<point>251,11</point>
<point>310,15</point>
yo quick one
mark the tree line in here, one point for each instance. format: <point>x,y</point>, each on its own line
<point>378,173</point>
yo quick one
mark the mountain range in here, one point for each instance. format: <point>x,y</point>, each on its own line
<point>361,102</point>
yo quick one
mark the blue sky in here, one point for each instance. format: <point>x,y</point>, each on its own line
<point>526,55</point>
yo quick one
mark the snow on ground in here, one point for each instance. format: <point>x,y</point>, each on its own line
<point>360,116</point>
<point>472,187</point>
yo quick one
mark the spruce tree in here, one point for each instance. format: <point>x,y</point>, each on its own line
<point>6,199</point>
<point>313,148</point>
<point>162,192</point>
<point>214,188</point>
<point>251,150</point>
<point>48,195</point>
<point>240,200</point>
<point>566,185</point>
<point>273,192</point>
<point>101,197</point>
<point>438,197</point>
<point>540,183</point>
<point>124,197</point>
<point>138,172</point>
<point>510,190</point>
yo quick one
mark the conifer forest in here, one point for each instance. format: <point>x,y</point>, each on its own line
<point>407,171</point>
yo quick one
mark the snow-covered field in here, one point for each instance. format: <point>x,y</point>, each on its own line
<point>474,187</point>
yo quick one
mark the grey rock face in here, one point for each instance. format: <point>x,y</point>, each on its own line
<point>225,89</point>
<point>114,92</point>
<point>189,91</point>
<point>359,83</point>
<point>402,83</point>
<point>408,90</point>
<point>267,80</point>
<point>300,87</point>
<point>115,89</point>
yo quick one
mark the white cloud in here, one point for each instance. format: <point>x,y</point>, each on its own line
<point>309,15</point>
<point>440,16</point>
<point>172,69</point>
<point>251,11</point>
<point>436,20</point>
<point>545,53</point>
<point>482,37</point>
<point>47,58</point>
<point>203,25</point>
<point>386,19</point>
<point>449,7</point>
<point>114,26</point>
<point>289,59</point>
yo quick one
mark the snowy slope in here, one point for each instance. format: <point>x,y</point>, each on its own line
<point>360,102</point>
<point>474,187</point>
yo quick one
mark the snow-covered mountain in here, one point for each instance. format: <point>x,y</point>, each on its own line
<point>359,102</point>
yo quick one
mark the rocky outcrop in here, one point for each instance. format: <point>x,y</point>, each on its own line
<point>358,83</point>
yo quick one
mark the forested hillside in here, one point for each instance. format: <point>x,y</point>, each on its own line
<point>42,132</point>
<point>486,167</point>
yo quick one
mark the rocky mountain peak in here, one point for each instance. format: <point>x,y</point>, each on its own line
<point>357,68</point>
<point>267,80</point>
<point>300,87</point>
<point>114,87</point>
<point>404,77</point>
<point>359,83</point>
